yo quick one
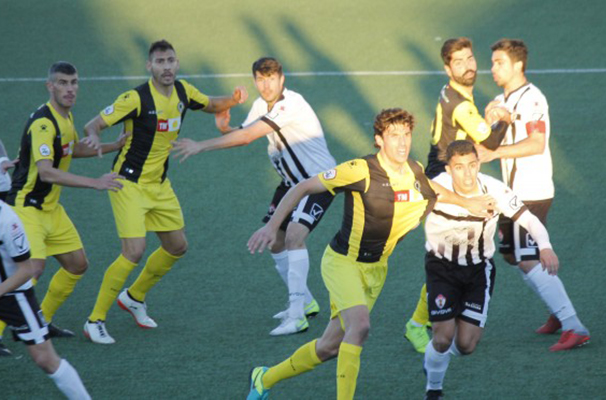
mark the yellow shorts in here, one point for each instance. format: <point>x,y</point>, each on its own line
<point>49,232</point>
<point>351,283</point>
<point>142,208</point>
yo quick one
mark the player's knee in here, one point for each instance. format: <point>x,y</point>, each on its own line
<point>326,350</point>
<point>358,332</point>
<point>442,343</point>
<point>295,241</point>
<point>179,249</point>
<point>466,348</point>
<point>46,361</point>
<point>80,266</point>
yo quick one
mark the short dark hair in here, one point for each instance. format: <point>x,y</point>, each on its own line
<point>392,116</point>
<point>267,66</point>
<point>459,148</point>
<point>452,45</point>
<point>62,67</point>
<point>160,45</point>
<point>515,49</point>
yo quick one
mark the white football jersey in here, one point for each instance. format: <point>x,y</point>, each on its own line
<point>14,246</point>
<point>530,177</point>
<point>297,148</point>
<point>454,234</point>
<point>5,179</point>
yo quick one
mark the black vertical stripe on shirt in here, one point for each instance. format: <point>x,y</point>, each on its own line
<point>340,242</point>
<point>287,171</point>
<point>481,242</point>
<point>468,255</point>
<point>291,152</point>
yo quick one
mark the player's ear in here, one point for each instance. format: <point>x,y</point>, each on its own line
<point>518,66</point>
<point>148,65</point>
<point>448,71</point>
<point>448,170</point>
<point>282,79</point>
<point>379,141</point>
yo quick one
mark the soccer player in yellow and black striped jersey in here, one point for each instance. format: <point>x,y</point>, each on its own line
<point>48,144</point>
<point>457,118</point>
<point>386,196</point>
<point>153,112</point>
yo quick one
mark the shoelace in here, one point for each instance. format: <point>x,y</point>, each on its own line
<point>101,329</point>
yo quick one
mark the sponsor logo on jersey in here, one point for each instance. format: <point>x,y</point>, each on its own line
<point>440,301</point>
<point>530,242</point>
<point>45,150</point>
<point>330,174</point>
<point>514,202</point>
<point>109,110</point>
<point>169,125</point>
<point>402,196</point>
<point>68,149</point>
<point>473,306</point>
<point>316,211</point>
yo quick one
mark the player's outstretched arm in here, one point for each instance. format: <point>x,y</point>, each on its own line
<point>49,174</point>
<point>266,236</point>
<point>549,259</point>
<point>482,206</point>
<point>184,148</point>
<point>92,130</point>
<point>222,120</point>
<point>25,271</point>
<point>82,150</point>
<point>218,104</point>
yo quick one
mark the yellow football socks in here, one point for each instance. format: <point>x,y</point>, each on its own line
<point>303,360</point>
<point>421,314</point>
<point>113,281</point>
<point>348,366</point>
<point>158,264</point>
<point>60,287</point>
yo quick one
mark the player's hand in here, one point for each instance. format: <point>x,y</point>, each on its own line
<point>222,120</point>
<point>240,94</point>
<point>94,142</point>
<point>482,206</point>
<point>184,148</point>
<point>121,141</point>
<point>261,239</point>
<point>496,114</point>
<point>8,164</point>
<point>109,182</point>
<point>484,154</point>
<point>549,261</point>
<point>491,105</point>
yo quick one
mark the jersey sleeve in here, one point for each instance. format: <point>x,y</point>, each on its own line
<point>197,99</point>
<point>467,116</point>
<point>352,175</point>
<point>253,114</point>
<point>126,106</point>
<point>537,115</point>
<point>13,236</point>
<point>42,132</point>
<point>508,202</point>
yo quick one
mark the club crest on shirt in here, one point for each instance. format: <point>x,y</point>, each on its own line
<point>330,174</point>
<point>45,150</point>
<point>180,106</point>
<point>440,301</point>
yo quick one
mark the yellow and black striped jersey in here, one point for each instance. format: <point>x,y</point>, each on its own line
<point>457,118</point>
<point>381,206</point>
<point>155,121</point>
<point>47,136</point>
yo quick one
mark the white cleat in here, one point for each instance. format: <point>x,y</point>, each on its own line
<point>137,309</point>
<point>97,333</point>
<point>290,326</point>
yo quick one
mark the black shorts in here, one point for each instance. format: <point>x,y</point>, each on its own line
<point>309,212</point>
<point>516,240</point>
<point>21,312</point>
<point>3,196</point>
<point>455,291</point>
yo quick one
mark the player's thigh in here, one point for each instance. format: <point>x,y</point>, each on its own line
<point>475,301</point>
<point>279,193</point>
<point>63,238</point>
<point>129,206</point>
<point>74,262</point>
<point>443,288</point>
<point>164,214</point>
<point>468,336</point>
<point>37,225</point>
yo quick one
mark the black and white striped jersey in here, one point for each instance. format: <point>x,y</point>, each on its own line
<point>454,234</point>
<point>14,246</point>
<point>297,147</point>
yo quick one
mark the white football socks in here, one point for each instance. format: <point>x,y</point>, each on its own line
<point>551,290</point>
<point>281,260</point>
<point>68,381</point>
<point>298,293</point>
<point>436,364</point>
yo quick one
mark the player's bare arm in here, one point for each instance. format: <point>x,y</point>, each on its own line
<point>82,150</point>
<point>266,236</point>
<point>482,206</point>
<point>549,259</point>
<point>7,164</point>
<point>218,104</point>
<point>92,130</point>
<point>183,148</point>
<point>534,144</point>
<point>25,271</point>
<point>49,174</point>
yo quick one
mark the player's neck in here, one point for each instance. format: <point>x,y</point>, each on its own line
<point>468,90</point>
<point>63,111</point>
<point>164,90</point>
<point>514,84</point>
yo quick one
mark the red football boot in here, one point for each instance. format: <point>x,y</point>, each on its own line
<point>570,340</point>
